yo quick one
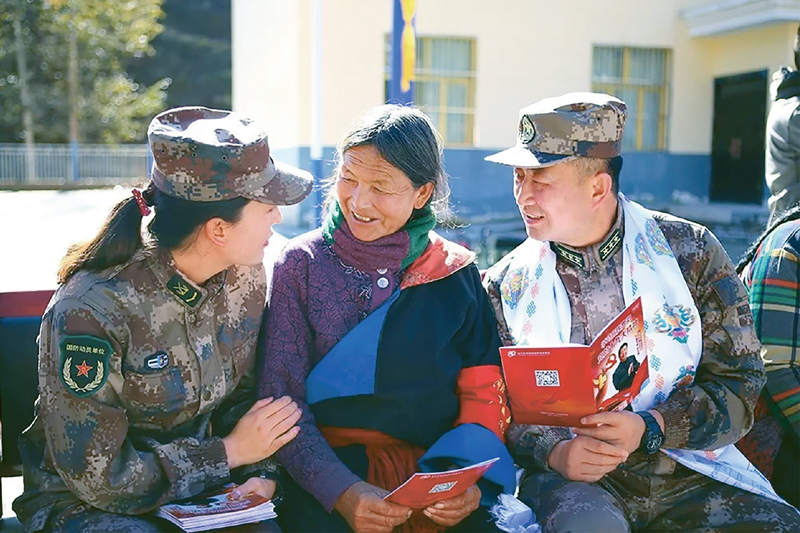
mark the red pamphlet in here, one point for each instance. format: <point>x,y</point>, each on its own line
<point>217,509</point>
<point>556,386</point>
<point>422,490</point>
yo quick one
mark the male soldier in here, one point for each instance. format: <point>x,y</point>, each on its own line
<point>669,462</point>
<point>782,164</point>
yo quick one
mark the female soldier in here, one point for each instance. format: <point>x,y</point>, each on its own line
<point>146,351</point>
<point>382,327</point>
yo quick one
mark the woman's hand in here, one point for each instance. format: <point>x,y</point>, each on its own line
<point>262,487</point>
<point>364,508</point>
<point>453,510</point>
<point>262,431</point>
<point>585,458</point>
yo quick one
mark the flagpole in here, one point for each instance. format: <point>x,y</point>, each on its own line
<point>400,23</point>
<point>317,167</point>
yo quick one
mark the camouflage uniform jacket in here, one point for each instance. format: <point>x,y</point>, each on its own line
<point>717,409</point>
<point>140,375</point>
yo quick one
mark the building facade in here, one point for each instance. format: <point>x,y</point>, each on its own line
<point>694,73</point>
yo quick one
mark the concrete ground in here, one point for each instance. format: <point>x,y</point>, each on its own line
<point>40,226</point>
<point>12,487</point>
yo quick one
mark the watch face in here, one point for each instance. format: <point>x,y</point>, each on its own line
<point>653,438</point>
<point>654,441</point>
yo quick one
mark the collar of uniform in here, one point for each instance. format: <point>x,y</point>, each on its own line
<point>590,257</point>
<point>190,295</point>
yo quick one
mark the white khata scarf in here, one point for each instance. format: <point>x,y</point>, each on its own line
<point>537,310</point>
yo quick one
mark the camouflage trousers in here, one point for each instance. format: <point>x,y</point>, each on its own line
<point>86,519</point>
<point>623,501</point>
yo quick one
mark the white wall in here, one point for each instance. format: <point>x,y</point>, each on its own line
<point>526,50</point>
<point>267,48</point>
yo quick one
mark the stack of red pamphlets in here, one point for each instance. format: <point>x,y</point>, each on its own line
<point>215,510</point>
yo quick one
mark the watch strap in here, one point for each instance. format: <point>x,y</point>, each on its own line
<point>651,428</point>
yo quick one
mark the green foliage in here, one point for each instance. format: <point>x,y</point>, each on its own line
<point>121,104</point>
<point>111,106</point>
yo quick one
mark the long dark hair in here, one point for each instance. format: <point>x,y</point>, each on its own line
<point>407,139</point>
<point>791,214</point>
<point>119,237</point>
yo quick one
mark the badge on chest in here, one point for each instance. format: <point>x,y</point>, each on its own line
<point>157,361</point>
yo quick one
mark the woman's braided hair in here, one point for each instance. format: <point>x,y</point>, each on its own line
<point>788,216</point>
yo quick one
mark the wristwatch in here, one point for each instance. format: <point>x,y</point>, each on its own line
<point>653,437</point>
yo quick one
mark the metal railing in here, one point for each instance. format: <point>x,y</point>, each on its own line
<point>64,164</point>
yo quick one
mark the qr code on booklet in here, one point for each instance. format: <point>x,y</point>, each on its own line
<point>442,487</point>
<point>547,378</point>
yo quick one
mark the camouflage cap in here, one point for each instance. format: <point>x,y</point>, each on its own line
<point>205,155</point>
<point>555,130</point>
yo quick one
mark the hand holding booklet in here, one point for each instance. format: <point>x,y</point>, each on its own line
<point>558,385</point>
<point>422,490</point>
<point>218,509</point>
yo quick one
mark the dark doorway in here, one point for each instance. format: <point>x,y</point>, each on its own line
<point>737,142</point>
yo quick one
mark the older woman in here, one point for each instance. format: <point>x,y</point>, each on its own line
<point>381,327</point>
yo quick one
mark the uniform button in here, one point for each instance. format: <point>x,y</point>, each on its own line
<point>206,395</point>
<point>383,283</point>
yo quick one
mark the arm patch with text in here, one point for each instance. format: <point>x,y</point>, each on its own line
<point>84,363</point>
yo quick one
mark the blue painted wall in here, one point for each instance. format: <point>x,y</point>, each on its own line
<point>653,176</point>
<point>481,190</point>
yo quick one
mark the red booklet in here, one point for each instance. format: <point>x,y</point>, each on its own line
<point>556,386</point>
<point>422,490</point>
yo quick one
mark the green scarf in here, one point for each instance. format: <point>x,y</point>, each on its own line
<point>417,228</point>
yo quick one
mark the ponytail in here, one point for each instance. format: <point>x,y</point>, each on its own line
<point>175,222</point>
<point>116,242</point>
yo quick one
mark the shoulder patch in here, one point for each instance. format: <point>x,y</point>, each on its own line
<point>611,245</point>
<point>84,363</point>
<point>183,290</point>
<point>573,258</point>
<point>730,290</point>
